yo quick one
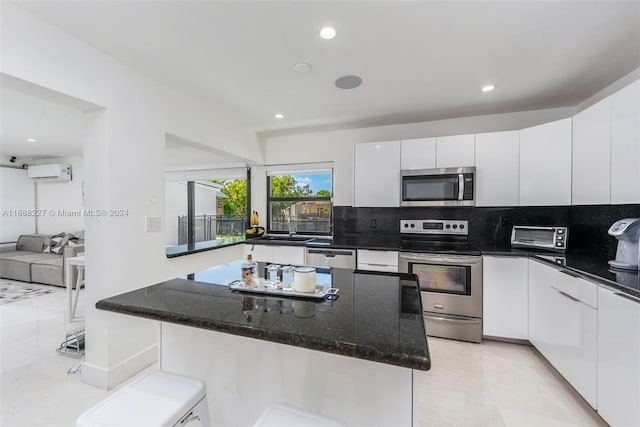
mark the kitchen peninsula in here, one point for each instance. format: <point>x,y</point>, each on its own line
<point>352,358</point>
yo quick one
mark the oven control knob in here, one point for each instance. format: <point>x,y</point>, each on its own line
<point>560,231</point>
<point>406,226</point>
<point>413,225</point>
<point>455,225</point>
<point>448,225</point>
<point>461,226</point>
<point>560,237</point>
<point>559,244</point>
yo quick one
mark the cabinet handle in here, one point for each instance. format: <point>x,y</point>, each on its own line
<point>568,296</point>
<point>446,319</point>
<point>570,273</point>
<point>629,297</point>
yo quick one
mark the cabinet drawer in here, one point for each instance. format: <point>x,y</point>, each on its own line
<point>383,258</point>
<point>567,282</point>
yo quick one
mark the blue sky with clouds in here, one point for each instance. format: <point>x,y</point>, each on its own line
<point>317,181</point>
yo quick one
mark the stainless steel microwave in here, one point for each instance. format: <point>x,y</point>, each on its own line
<point>438,187</point>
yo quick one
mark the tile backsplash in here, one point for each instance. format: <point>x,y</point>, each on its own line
<point>491,227</point>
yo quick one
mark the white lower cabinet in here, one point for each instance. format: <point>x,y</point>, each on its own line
<point>618,358</point>
<point>563,325</point>
<point>261,253</point>
<point>377,260</point>
<point>276,254</point>
<point>505,299</point>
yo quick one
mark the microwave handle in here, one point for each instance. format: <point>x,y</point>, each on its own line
<point>460,186</point>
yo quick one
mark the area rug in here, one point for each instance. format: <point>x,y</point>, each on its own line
<point>16,291</point>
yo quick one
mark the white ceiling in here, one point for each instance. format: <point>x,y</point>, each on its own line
<point>419,60</point>
<point>56,128</point>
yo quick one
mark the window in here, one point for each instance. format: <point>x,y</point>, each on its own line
<point>213,201</point>
<point>300,202</point>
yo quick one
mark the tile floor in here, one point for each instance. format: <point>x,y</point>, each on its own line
<point>490,384</point>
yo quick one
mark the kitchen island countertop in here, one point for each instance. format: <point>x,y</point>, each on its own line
<point>376,317</point>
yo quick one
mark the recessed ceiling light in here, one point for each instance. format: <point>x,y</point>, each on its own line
<point>302,67</point>
<point>327,33</point>
<point>31,140</point>
<point>348,82</point>
<point>279,116</point>
<point>488,88</point>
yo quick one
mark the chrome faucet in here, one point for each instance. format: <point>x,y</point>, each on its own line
<point>289,226</point>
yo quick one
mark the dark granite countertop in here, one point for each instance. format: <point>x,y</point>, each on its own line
<point>376,317</point>
<point>181,250</point>
<point>591,266</point>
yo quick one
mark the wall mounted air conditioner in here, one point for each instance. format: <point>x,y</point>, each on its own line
<point>49,172</point>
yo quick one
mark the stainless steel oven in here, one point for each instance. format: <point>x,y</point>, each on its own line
<point>449,275</point>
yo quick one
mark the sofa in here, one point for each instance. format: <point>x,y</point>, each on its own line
<point>39,258</point>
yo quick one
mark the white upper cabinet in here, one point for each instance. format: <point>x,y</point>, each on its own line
<point>455,151</point>
<point>625,145</point>
<point>376,174</point>
<point>418,153</point>
<point>591,167</point>
<point>497,168</point>
<point>545,164</point>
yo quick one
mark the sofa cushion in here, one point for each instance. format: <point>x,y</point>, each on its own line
<point>15,269</point>
<point>11,254</point>
<point>48,272</point>
<point>31,242</point>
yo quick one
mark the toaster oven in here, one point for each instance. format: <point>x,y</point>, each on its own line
<point>532,237</point>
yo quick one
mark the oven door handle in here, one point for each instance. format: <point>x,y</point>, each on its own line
<point>450,260</point>
<point>451,320</point>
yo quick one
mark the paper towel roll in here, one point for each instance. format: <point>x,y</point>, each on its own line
<point>304,279</point>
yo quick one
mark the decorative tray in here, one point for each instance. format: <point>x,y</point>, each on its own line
<point>269,288</point>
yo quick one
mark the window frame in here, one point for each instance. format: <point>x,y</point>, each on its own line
<point>190,246</point>
<point>271,199</point>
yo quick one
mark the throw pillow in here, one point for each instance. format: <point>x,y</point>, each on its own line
<point>59,241</point>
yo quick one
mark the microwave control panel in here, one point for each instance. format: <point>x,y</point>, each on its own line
<point>456,227</point>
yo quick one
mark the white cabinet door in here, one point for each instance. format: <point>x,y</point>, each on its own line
<point>505,301</point>
<point>276,254</point>
<point>618,358</point>
<point>418,153</point>
<point>455,151</point>
<point>377,260</point>
<point>498,168</point>
<point>545,164</point>
<point>591,167</point>
<point>288,255</point>
<point>563,328</point>
<point>376,174</point>
<point>261,253</point>
<point>625,145</point>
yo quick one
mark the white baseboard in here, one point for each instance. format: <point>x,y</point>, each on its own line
<point>107,379</point>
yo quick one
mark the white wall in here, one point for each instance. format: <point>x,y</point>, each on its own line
<point>337,146</point>
<point>16,192</point>
<point>124,169</point>
<point>60,201</point>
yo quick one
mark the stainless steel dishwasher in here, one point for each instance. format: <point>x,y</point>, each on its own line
<point>339,258</point>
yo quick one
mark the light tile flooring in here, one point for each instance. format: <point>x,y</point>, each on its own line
<point>490,384</point>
